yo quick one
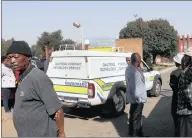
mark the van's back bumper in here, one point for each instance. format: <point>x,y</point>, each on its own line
<point>76,105</point>
<point>74,100</point>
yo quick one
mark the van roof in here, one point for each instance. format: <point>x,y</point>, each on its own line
<point>82,53</point>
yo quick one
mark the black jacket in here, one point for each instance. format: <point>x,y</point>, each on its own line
<point>184,99</point>
<point>38,63</point>
<point>174,80</point>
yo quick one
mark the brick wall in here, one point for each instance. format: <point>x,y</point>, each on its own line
<point>184,42</point>
<point>130,45</point>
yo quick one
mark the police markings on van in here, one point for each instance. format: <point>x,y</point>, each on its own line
<point>90,78</point>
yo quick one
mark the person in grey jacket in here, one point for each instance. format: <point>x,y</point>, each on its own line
<point>136,94</point>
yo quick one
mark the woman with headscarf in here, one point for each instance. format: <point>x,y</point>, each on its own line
<point>184,99</point>
<point>174,79</point>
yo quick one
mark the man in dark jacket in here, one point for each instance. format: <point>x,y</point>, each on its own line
<point>174,79</point>
<point>37,111</point>
<point>184,99</point>
<point>38,63</point>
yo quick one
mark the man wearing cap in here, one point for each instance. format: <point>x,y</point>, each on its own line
<point>184,98</point>
<point>37,110</point>
<point>174,79</point>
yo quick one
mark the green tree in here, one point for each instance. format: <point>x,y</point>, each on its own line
<point>50,40</point>
<point>33,50</point>
<point>139,29</point>
<point>159,37</point>
<point>69,42</point>
<point>36,50</point>
<point>5,45</point>
<point>165,41</point>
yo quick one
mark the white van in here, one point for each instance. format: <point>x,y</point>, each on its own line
<point>88,78</point>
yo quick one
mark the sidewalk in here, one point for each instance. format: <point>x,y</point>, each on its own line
<point>7,127</point>
<point>167,69</point>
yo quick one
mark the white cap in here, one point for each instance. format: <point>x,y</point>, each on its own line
<point>188,52</point>
<point>178,58</point>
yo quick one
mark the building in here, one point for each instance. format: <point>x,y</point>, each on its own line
<point>184,42</point>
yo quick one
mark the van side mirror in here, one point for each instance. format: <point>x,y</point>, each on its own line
<point>151,68</point>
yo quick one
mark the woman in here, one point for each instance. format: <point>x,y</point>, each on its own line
<point>174,79</point>
<point>184,99</point>
<point>8,83</point>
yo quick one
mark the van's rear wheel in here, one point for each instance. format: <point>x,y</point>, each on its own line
<point>118,103</point>
<point>114,106</point>
<point>156,91</point>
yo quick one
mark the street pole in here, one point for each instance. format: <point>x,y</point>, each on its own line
<point>78,25</point>
<point>82,46</point>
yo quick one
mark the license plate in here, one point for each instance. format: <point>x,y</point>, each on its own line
<point>70,99</point>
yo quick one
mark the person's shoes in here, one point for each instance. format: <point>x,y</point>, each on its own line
<point>7,115</point>
<point>10,114</point>
<point>133,134</point>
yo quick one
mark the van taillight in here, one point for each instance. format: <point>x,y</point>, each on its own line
<point>91,90</point>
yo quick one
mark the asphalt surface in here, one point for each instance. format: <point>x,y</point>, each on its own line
<point>89,123</point>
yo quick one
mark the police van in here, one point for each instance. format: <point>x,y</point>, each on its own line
<point>83,79</point>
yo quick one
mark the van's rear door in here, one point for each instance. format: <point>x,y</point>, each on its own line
<point>67,67</point>
<point>69,75</point>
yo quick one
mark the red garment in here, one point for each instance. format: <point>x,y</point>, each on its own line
<point>138,68</point>
<point>17,76</point>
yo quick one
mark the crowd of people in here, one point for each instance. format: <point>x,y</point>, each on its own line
<point>181,84</point>
<point>38,111</point>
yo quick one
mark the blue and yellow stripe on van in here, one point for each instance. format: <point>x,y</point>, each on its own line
<point>84,90</point>
<point>70,89</point>
<point>104,86</point>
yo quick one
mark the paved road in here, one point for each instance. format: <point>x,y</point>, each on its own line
<point>157,119</point>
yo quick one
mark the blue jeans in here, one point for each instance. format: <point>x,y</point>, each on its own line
<point>6,95</point>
